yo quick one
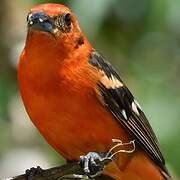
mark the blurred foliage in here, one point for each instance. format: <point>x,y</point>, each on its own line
<point>142,39</point>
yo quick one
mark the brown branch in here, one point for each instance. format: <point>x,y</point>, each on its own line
<point>60,172</point>
<point>54,173</point>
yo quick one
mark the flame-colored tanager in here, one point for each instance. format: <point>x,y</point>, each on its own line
<point>78,101</point>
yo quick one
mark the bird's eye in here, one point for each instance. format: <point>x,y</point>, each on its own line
<point>67,19</point>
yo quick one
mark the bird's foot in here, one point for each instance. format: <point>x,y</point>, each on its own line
<point>93,163</point>
<point>30,173</point>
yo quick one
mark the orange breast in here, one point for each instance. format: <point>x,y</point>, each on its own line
<point>72,123</point>
<point>62,103</point>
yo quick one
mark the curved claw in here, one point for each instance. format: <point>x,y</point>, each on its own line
<point>90,165</point>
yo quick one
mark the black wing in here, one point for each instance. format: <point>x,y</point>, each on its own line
<point>119,100</point>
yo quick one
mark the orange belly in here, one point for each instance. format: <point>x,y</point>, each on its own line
<point>70,125</point>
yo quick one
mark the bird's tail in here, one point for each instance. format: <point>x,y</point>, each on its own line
<point>165,173</point>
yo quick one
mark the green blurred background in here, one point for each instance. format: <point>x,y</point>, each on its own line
<point>140,37</point>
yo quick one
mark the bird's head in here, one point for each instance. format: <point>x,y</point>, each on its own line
<point>54,39</point>
<point>54,22</point>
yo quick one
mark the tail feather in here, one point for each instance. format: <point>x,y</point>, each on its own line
<point>166,174</point>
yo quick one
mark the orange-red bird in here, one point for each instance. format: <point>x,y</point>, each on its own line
<point>78,101</point>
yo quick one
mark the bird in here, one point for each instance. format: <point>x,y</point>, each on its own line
<point>78,101</point>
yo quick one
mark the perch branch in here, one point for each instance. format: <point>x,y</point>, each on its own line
<point>59,173</point>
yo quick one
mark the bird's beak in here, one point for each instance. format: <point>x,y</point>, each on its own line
<point>40,21</point>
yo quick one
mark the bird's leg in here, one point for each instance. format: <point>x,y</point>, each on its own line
<point>30,173</point>
<point>93,163</point>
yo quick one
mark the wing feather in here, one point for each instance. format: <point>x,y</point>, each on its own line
<point>121,103</point>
